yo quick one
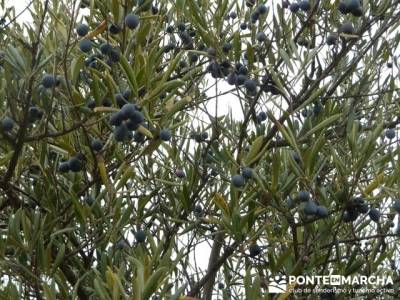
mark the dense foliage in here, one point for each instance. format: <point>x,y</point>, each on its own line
<point>122,170</point>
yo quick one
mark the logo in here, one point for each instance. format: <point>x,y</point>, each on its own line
<point>277,285</point>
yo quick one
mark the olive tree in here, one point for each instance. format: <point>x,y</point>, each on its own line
<point>194,149</point>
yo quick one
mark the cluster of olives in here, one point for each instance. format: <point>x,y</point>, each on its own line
<point>316,110</point>
<point>132,21</point>
<point>126,120</point>
<point>239,77</point>
<point>268,85</point>
<point>310,208</point>
<point>140,237</point>
<point>239,180</point>
<point>199,136</point>
<point>259,11</point>
<point>358,206</point>
<point>303,5</point>
<point>351,6</point>
<point>34,114</point>
<point>74,164</point>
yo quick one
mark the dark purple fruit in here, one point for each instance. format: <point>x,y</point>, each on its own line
<point>343,8</point>
<point>114,29</point>
<point>241,79</point>
<point>75,164</point>
<point>48,81</point>
<point>294,7</point>
<point>85,45</point>
<point>296,157</point>
<point>181,27</point>
<point>390,133</point>
<point>180,173</point>
<point>106,102</point>
<point>232,79</point>
<point>97,144</point>
<point>140,236</point>
<point>131,125</point>
<point>198,210</point>
<point>374,214</point>
<point>137,117</point>
<point>353,5</point>
<point>363,208</point>
<point>303,196</point>
<point>105,48</point>
<point>193,58</point>
<point>304,5</point>
<point>233,15</point>
<point>227,47</point>
<point>350,215</point>
<point>116,118</point>
<point>250,85</point>
<point>247,172</point>
<point>347,28</point>
<point>89,200</point>
<point>82,29</point>
<point>138,137</point>
<point>261,37</point>
<point>290,202</point>
<point>262,116</point>
<point>204,136</point>
<point>63,167</point>
<point>310,208</point>
<point>331,39</point>
<point>322,211</point>
<point>254,17</point>
<point>132,21</point>
<point>165,135</point>
<point>358,12</point>
<point>120,245</point>
<point>121,133</point>
<point>128,110</point>
<point>115,55</point>
<point>7,124</point>
<point>212,52</point>
<point>91,104</point>
<point>261,9</point>
<point>254,250</point>
<point>238,180</point>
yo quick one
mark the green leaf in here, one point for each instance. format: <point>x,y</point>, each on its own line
<point>76,67</point>
<point>325,123</point>
<point>58,259</point>
<point>255,149</point>
<point>152,283</point>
